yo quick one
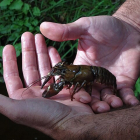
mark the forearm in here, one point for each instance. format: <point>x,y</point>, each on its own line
<point>120,124</point>
<point>130,13</point>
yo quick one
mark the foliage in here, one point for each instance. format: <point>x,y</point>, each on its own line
<point>18,16</point>
<point>137,89</point>
<point>16,19</point>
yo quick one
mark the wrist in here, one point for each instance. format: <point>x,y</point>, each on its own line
<point>130,13</point>
<point>85,126</point>
<point>73,128</point>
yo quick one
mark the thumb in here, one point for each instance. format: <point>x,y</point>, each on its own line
<point>63,32</point>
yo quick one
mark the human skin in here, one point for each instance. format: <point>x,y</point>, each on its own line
<point>129,12</point>
<point>58,117</point>
<point>108,42</point>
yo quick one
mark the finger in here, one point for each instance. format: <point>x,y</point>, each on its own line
<point>82,96</point>
<point>29,60</point>
<point>54,56</point>
<point>11,74</point>
<point>127,95</point>
<point>112,100</point>
<point>96,104</point>
<point>62,32</point>
<point>42,56</point>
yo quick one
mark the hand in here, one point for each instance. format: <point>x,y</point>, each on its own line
<point>108,42</point>
<point>28,107</point>
<point>60,117</point>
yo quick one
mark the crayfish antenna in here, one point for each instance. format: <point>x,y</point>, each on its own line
<point>34,83</point>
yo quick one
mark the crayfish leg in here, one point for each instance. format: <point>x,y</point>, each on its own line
<point>74,91</point>
<point>82,85</point>
<point>88,89</point>
<point>69,86</point>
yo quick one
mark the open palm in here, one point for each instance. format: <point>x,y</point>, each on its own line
<point>28,107</point>
<point>37,61</point>
<point>108,42</point>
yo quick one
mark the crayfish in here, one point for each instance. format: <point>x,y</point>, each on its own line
<point>78,76</point>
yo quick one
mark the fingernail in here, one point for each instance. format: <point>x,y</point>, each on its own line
<point>100,109</point>
<point>103,109</point>
<point>134,102</point>
<point>117,102</point>
<point>84,99</point>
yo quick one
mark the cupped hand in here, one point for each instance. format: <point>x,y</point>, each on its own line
<point>29,107</point>
<point>108,42</point>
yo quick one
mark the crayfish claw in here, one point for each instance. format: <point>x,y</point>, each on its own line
<point>53,89</point>
<point>45,95</point>
<point>48,77</point>
<point>50,91</point>
<point>46,80</point>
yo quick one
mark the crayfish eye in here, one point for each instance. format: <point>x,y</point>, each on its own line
<point>63,72</point>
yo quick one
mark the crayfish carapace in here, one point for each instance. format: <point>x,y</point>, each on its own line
<point>78,76</point>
